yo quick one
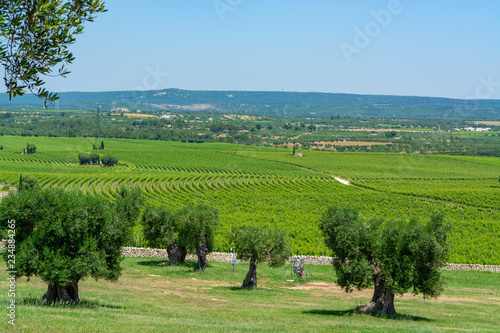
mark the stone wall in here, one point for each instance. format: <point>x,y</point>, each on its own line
<point>308,260</point>
<point>214,256</point>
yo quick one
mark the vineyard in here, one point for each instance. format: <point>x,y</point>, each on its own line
<point>269,186</point>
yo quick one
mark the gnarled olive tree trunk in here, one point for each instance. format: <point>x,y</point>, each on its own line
<point>67,293</point>
<point>382,302</point>
<point>201,252</point>
<point>251,278</point>
<point>176,254</point>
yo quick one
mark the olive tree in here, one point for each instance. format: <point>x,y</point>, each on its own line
<point>394,256</point>
<point>256,245</point>
<point>64,237</point>
<point>109,160</point>
<point>160,231</point>
<point>196,227</point>
<point>89,158</point>
<point>34,40</point>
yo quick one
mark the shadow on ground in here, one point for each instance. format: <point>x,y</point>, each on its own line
<point>189,263</point>
<point>347,313</point>
<point>82,304</point>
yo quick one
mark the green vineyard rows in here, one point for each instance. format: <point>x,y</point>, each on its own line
<point>271,187</point>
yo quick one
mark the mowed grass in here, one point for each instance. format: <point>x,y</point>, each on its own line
<point>150,297</point>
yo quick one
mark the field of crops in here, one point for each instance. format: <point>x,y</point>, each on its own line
<point>269,186</point>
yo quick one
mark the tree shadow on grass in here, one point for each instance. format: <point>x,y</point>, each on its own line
<point>82,304</point>
<point>188,263</point>
<point>258,291</point>
<point>153,263</point>
<point>353,312</point>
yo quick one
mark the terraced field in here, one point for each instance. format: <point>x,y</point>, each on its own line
<point>269,186</point>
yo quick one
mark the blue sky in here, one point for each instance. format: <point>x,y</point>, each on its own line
<point>420,48</point>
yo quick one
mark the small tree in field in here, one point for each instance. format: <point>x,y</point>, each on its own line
<point>109,160</point>
<point>63,237</point>
<point>159,231</point>
<point>256,245</point>
<point>27,182</point>
<point>395,256</point>
<point>30,148</point>
<point>197,225</point>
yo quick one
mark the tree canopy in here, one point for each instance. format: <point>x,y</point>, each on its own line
<point>34,40</point>
<point>196,227</point>
<point>63,237</point>
<point>109,160</point>
<point>257,244</point>
<point>394,256</point>
<point>160,230</point>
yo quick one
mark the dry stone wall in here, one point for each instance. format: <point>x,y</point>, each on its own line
<point>308,260</point>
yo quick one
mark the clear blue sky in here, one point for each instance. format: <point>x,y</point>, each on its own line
<point>446,48</point>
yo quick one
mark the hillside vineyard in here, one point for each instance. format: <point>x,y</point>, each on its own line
<point>270,186</point>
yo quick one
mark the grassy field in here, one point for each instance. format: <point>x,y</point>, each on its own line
<point>150,297</point>
<point>269,186</point>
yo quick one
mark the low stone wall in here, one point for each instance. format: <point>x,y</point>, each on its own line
<point>162,254</point>
<point>308,260</point>
<point>472,267</point>
<point>215,256</point>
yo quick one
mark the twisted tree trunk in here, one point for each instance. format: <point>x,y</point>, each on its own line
<point>251,278</point>
<point>382,302</point>
<point>201,252</point>
<point>67,293</point>
<point>176,254</point>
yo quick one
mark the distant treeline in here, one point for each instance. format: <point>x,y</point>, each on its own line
<point>268,102</point>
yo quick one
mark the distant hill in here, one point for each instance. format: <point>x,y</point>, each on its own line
<point>295,104</point>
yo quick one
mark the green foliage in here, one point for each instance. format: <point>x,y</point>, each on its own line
<point>312,127</point>
<point>64,237</point>
<point>34,41</point>
<point>257,244</point>
<point>30,148</point>
<point>479,192</point>
<point>197,225</point>
<point>88,158</point>
<point>109,160</point>
<point>390,134</point>
<point>99,146</point>
<point>159,226</point>
<point>268,187</point>
<point>137,237</point>
<point>27,182</point>
<point>128,205</point>
<point>406,255</point>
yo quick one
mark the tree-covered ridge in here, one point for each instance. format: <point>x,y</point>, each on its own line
<point>272,103</point>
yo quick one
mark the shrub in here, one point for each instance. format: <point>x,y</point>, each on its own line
<point>109,160</point>
<point>89,158</point>
<point>30,148</point>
